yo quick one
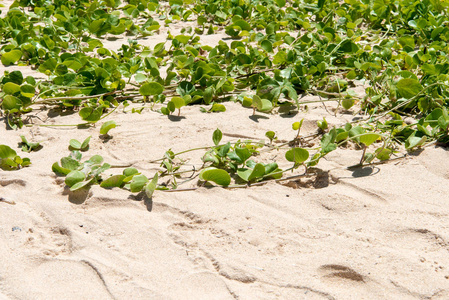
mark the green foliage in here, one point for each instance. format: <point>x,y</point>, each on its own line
<point>280,51</point>
<point>77,145</point>
<point>9,160</point>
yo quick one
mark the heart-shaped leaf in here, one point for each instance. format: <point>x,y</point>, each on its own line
<point>11,57</point>
<point>369,138</point>
<point>219,176</point>
<point>409,87</point>
<point>151,88</point>
<point>297,155</point>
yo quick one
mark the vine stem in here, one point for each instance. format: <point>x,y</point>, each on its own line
<point>239,186</point>
<point>408,101</point>
<point>75,98</point>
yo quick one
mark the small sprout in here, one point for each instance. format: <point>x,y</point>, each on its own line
<point>27,146</point>
<point>107,126</point>
<point>297,126</point>
<point>271,135</point>
<point>178,102</point>
<point>77,145</point>
<point>322,124</point>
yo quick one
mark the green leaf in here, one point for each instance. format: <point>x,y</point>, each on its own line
<point>242,24</point>
<point>218,107</point>
<point>409,87</point>
<point>355,132</point>
<point>11,102</point>
<point>243,153</point>
<point>408,42</point>
<point>217,136</point>
<point>267,46</point>
<point>27,91</point>
<point>178,102</point>
<point>368,138</point>
<point>183,39</point>
<point>262,104</point>
<point>322,124</point>
<point>113,181</point>
<point>75,144</point>
<point>328,141</point>
<point>270,135</point>
<point>80,185</point>
<point>27,146</point>
<point>219,176</point>
<point>432,118</point>
<point>11,88</point>
<point>151,88</point>
<point>8,164</point>
<point>69,163</point>
<point>95,160</point>
<point>11,57</point>
<point>74,177</point>
<point>85,144</point>
<point>251,174</point>
<point>223,150</point>
<point>60,170</point>
<point>138,183</point>
<point>130,171</point>
<point>414,141</point>
<point>107,126</point>
<point>297,125</point>
<point>7,152</point>
<point>347,103</point>
<point>90,114</point>
<point>151,186</point>
<point>297,155</point>
<point>383,153</point>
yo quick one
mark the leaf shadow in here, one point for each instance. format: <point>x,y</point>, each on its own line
<point>105,138</point>
<point>364,171</point>
<point>77,197</point>
<point>290,114</point>
<point>148,202</point>
<point>416,152</point>
<point>54,112</point>
<point>176,118</point>
<point>256,118</point>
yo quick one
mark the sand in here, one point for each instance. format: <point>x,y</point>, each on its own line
<point>379,232</point>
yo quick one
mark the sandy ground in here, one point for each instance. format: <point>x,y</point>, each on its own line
<point>374,233</point>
